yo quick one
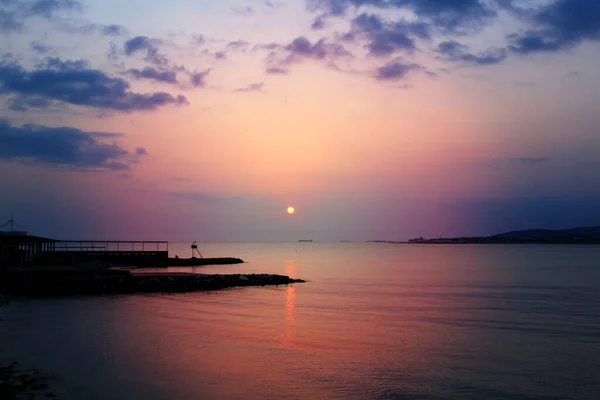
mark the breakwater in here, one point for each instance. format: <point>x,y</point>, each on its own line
<point>196,262</point>
<point>82,282</point>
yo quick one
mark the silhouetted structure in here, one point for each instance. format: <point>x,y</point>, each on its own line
<point>18,249</point>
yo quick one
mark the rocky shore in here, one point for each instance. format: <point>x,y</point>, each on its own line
<point>17,384</point>
<point>195,262</point>
<point>86,282</point>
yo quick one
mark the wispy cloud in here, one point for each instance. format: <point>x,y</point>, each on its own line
<point>454,51</point>
<point>395,70</point>
<point>253,87</point>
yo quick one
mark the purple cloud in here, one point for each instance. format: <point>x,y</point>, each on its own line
<point>395,70</point>
<point>75,83</point>
<point>64,146</point>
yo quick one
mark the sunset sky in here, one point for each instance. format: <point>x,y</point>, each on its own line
<point>375,119</point>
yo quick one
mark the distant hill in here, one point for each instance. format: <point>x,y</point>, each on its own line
<point>582,235</point>
<point>533,234</point>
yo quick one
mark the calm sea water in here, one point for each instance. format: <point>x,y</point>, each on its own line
<point>375,321</point>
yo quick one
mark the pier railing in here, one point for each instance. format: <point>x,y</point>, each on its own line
<point>110,246</point>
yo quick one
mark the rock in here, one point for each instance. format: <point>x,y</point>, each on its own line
<point>120,282</point>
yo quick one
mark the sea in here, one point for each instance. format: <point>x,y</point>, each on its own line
<point>373,321</point>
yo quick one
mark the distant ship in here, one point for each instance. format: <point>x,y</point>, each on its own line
<point>305,240</point>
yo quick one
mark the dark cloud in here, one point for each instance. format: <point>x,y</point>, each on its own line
<point>75,83</point>
<point>147,46</point>
<point>301,46</point>
<point>253,87</point>
<point>164,70</point>
<point>448,16</point>
<point>40,47</point>
<point>113,52</point>
<point>14,13</point>
<point>560,25</point>
<point>386,38</point>
<point>395,70</point>
<point>318,23</point>
<point>9,22</point>
<point>301,49</point>
<point>112,30</point>
<point>454,51</point>
<point>154,74</point>
<point>220,55</point>
<point>63,146</point>
<point>198,79</point>
<point>26,103</point>
<point>48,8</point>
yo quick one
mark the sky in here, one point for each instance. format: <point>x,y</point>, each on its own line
<point>375,119</point>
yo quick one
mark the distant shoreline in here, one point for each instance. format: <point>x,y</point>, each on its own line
<point>581,235</point>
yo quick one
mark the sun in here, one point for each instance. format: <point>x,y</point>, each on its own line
<point>291,210</point>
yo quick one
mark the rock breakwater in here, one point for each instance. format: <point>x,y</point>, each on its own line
<point>52,283</point>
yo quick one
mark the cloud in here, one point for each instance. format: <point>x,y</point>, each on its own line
<point>198,79</point>
<point>26,103</point>
<point>75,83</point>
<point>14,12</point>
<point>92,29</point>
<point>153,74</point>
<point>454,51</point>
<point>9,22</point>
<point>318,23</point>
<point>63,146</point>
<point>39,47</point>
<point>242,10</point>
<point>143,44</point>
<point>237,44</point>
<point>395,70</point>
<point>301,49</point>
<point>386,38</point>
<point>560,25</point>
<point>48,8</point>
<point>253,87</point>
<point>448,16</point>
<point>164,70</point>
<point>112,30</point>
<point>276,70</point>
<point>198,40</point>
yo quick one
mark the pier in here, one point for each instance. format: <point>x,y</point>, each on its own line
<point>18,249</point>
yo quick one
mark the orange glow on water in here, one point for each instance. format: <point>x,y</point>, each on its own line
<point>290,306</point>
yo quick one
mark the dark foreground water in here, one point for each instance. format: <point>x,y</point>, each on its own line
<point>375,321</point>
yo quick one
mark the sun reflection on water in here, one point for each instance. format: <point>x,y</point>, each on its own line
<point>290,305</point>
